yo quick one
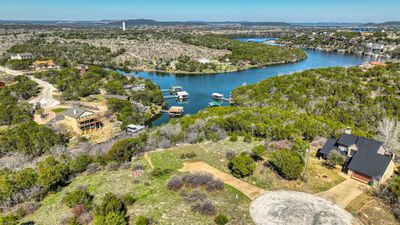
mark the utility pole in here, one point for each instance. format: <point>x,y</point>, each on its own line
<point>306,165</point>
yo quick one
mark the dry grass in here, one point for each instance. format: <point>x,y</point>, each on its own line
<point>371,210</point>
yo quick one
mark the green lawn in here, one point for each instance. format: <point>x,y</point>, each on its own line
<point>59,110</point>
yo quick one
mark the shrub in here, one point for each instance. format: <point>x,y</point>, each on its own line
<point>93,168</point>
<point>193,196</point>
<point>158,172</point>
<point>230,154</point>
<point>128,199</point>
<point>242,165</point>
<point>258,151</point>
<point>335,158</point>
<point>288,164</point>
<point>80,163</point>
<point>233,138</point>
<point>111,218</point>
<point>111,203</point>
<point>79,197</point>
<point>123,150</point>
<point>197,179</point>
<point>215,185</point>
<point>138,166</point>
<point>221,219</point>
<point>74,221</point>
<point>174,183</point>
<point>141,220</point>
<point>78,210</point>
<point>205,208</point>
<point>113,166</point>
<point>248,138</point>
<point>189,155</point>
<point>9,219</point>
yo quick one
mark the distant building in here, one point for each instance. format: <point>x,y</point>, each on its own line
<point>203,60</point>
<point>368,65</point>
<point>22,56</point>
<point>2,84</point>
<point>44,64</point>
<point>83,69</point>
<point>82,120</point>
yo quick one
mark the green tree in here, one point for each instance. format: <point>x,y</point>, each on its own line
<point>242,165</point>
<point>52,173</point>
<point>258,151</point>
<point>221,219</point>
<point>289,164</point>
<point>335,158</point>
<point>79,197</point>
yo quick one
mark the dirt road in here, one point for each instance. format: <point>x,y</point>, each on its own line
<point>45,97</point>
<point>247,189</point>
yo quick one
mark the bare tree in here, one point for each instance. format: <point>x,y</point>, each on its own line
<point>389,134</point>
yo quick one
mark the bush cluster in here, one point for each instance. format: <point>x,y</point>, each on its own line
<point>242,165</point>
<point>288,164</point>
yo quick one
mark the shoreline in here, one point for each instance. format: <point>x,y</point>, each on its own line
<point>141,69</point>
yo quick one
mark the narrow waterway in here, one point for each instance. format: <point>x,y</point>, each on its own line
<point>200,87</point>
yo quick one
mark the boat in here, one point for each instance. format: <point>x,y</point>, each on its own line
<point>175,89</point>
<point>217,96</point>
<point>132,128</point>
<point>214,104</point>
<point>182,95</point>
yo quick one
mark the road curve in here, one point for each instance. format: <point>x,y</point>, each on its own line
<point>46,95</point>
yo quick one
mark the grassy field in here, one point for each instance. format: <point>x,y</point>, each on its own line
<point>319,177</point>
<point>369,209</point>
<point>154,199</point>
<point>157,202</point>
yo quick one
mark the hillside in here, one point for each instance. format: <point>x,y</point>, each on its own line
<point>349,96</point>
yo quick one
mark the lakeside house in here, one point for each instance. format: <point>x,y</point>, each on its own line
<point>368,65</point>
<point>82,120</point>
<point>44,64</point>
<point>366,159</point>
<point>22,56</point>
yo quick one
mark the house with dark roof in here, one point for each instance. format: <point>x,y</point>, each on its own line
<point>82,120</point>
<point>366,159</point>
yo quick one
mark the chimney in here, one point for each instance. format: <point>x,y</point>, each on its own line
<point>347,130</point>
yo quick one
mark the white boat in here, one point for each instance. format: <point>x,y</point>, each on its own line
<point>182,95</point>
<point>217,96</point>
<point>132,128</point>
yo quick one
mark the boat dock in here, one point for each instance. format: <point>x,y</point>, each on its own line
<point>170,96</point>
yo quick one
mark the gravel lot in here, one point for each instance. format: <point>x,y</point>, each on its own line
<point>290,207</point>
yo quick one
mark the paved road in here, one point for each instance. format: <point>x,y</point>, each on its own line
<point>343,193</point>
<point>247,189</point>
<point>45,97</point>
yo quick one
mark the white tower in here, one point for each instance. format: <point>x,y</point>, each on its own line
<point>123,26</point>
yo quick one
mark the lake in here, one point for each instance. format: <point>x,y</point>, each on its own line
<point>200,87</point>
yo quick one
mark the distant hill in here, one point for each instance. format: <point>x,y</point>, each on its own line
<point>389,23</point>
<point>141,22</point>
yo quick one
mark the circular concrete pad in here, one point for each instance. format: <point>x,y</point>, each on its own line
<point>291,207</point>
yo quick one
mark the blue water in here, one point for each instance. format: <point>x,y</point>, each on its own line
<point>200,87</point>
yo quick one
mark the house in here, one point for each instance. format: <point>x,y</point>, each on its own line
<point>22,56</point>
<point>2,84</point>
<point>368,65</point>
<point>366,159</point>
<point>44,64</point>
<point>82,120</point>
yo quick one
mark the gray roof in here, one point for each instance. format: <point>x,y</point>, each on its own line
<point>75,112</point>
<point>347,140</point>
<point>366,160</point>
<point>329,146</point>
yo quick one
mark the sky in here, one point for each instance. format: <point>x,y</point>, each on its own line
<point>204,10</point>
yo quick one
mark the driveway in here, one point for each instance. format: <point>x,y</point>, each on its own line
<point>343,193</point>
<point>247,189</point>
<point>298,208</point>
<point>46,95</point>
